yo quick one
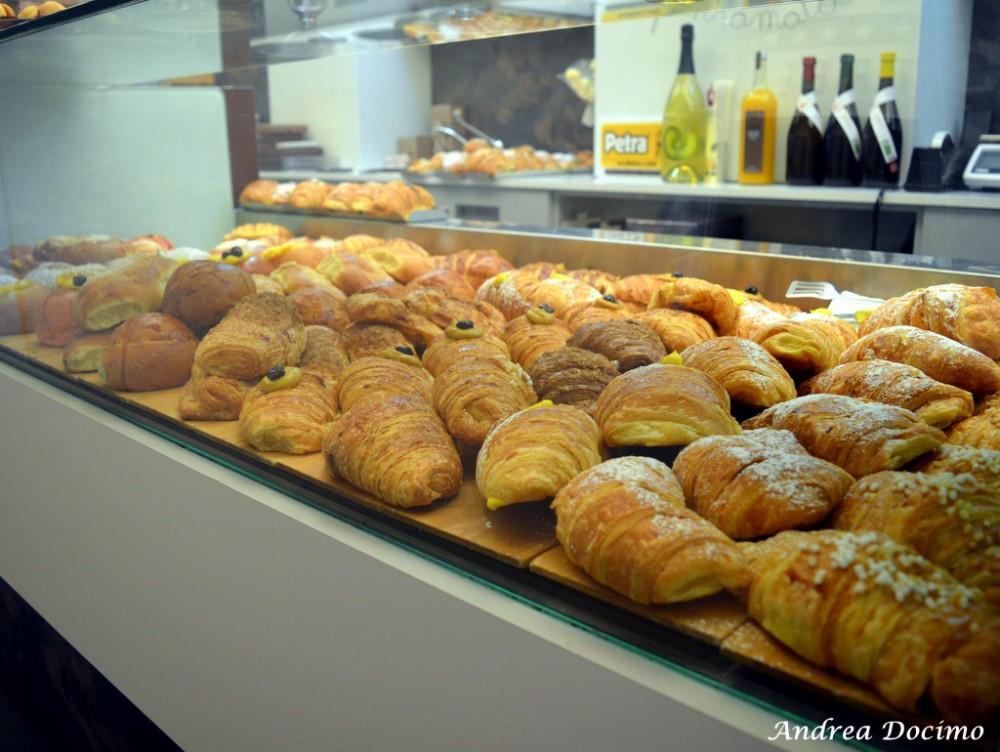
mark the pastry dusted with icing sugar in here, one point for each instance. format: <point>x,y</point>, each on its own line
<point>860,436</point>
<point>624,522</point>
<point>952,520</point>
<point>758,483</point>
<point>875,610</point>
<point>966,314</point>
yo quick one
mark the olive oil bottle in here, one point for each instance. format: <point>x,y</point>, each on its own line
<point>684,121</point>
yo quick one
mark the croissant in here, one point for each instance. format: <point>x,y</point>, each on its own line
<point>533,453</point>
<point>380,377</point>
<point>785,310</point>
<point>982,430</point>
<point>533,333</point>
<point>453,282</point>
<point>707,299</point>
<point>323,306</point>
<point>402,259</point>
<point>860,436</point>
<point>358,243</point>
<point>571,376</point>
<point>351,272</point>
<point>291,415</point>
<point>206,397</point>
<point>934,403</point>
<point>363,340</point>
<point>754,315</point>
<point>260,331</point>
<point>373,308</point>
<point>443,309</point>
<point>396,449</point>
<point>969,315</point>
<point>986,402</point>
<point>639,288</point>
<point>663,405</point>
<point>505,291</point>
<point>325,354</point>
<point>476,266</point>
<point>259,192</point>
<point>628,343</point>
<point>748,372</point>
<point>272,234</point>
<point>873,609</point>
<point>624,523</point>
<point>983,464</point>
<point>474,393</point>
<point>600,280</point>
<point>559,291</point>
<point>305,253</point>
<point>940,358</point>
<point>309,194</point>
<point>951,520</point>
<point>604,308</point>
<point>758,483</point>
<point>677,330</point>
<point>460,341</point>
<point>808,345</point>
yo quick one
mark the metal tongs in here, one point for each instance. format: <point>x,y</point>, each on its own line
<point>456,115</point>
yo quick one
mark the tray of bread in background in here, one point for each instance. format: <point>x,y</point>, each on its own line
<point>394,200</point>
<point>478,161</point>
<point>817,500</point>
<point>469,23</point>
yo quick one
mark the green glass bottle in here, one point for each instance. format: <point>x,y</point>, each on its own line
<point>685,118</point>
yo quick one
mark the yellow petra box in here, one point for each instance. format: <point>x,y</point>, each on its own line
<point>632,147</point>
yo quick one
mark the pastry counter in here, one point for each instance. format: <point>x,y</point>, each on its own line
<point>249,599</point>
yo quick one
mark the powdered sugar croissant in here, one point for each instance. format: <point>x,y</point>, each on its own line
<point>624,523</point>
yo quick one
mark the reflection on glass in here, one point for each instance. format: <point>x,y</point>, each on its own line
<point>307,11</point>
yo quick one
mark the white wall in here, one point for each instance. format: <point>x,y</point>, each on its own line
<point>637,59</point>
<point>356,106</point>
<point>116,161</point>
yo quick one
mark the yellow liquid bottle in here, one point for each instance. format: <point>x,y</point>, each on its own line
<point>684,121</point>
<point>758,123</point>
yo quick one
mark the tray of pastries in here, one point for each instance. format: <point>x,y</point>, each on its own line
<point>394,200</point>
<point>816,499</point>
<point>469,23</point>
<point>479,161</point>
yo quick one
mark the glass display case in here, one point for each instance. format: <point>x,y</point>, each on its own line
<point>261,586</point>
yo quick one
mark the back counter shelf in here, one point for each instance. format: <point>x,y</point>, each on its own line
<point>247,600</point>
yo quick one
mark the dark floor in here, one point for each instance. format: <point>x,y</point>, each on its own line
<point>15,733</point>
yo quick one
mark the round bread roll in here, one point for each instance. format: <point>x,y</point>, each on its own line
<point>54,324</point>
<point>200,293</point>
<point>148,352</point>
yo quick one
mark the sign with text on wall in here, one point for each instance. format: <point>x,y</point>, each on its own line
<point>630,147</point>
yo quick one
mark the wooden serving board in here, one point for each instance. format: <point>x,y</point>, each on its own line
<point>514,535</point>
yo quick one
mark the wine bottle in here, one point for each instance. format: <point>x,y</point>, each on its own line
<point>758,119</point>
<point>882,142</point>
<point>843,132</point>
<point>684,121</point>
<point>804,165</point>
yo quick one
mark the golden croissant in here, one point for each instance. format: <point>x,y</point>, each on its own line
<point>748,372</point>
<point>260,331</point>
<point>934,403</point>
<point>875,610</point>
<point>624,523</point>
<point>396,449</point>
<point>860,436</point>
<point>677,330</point>
<point>758,483</point>
<point>707,299</point>
<point>535,332</point>
<point>808,345</point>
<point>630,344</point>
<point>940,358</point>
<point>982,464</point>
<point>663,405</point>
<point>951,520</point>
<point>966,314</point>
<point>982,430</point>
<point>533,453</point>
<point>291,417</point>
